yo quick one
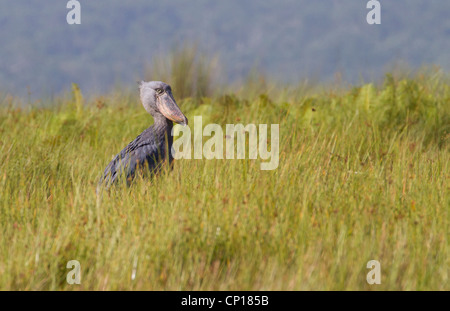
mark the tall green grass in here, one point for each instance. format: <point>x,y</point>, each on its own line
<point>363,175</point>
<point>190,72</point>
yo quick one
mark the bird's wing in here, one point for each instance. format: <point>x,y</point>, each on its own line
<point>140,151</point>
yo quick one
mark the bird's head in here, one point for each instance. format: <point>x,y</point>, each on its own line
<point>157,99</point>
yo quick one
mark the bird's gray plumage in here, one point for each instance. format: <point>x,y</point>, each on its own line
<point>153,146</point>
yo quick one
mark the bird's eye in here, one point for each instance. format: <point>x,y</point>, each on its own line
<point>159,91</point>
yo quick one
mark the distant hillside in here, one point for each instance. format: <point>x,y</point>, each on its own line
<point>289,39</point>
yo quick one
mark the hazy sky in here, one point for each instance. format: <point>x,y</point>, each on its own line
<point>288,40</point>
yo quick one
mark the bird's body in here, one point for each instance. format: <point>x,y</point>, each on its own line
<point>153,146</point>
<point>148,151</point>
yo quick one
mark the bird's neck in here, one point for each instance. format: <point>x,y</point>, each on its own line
<point>163,124</point>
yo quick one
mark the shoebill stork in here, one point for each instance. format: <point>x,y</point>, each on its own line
<point>153,146</point>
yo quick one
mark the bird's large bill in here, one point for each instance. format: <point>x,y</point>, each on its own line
<point>169,108</point>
